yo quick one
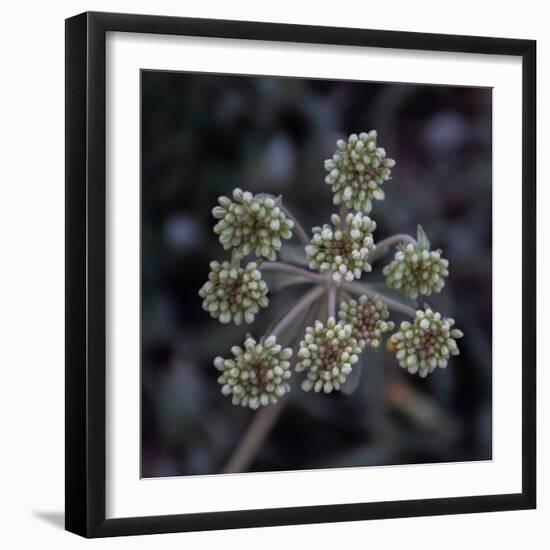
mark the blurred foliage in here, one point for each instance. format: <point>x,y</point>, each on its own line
<point>203,135</point>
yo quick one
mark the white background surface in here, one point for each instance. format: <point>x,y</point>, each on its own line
<point>32,271</point>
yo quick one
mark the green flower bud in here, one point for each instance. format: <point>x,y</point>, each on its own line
<point>258,373</point>
<point>426,343</point>
<point>234,293</point>
<point>416,270</point>
<point>357,171</point>
<point>342,248</point>
<point>251,223</point>
<point>368,318</point>
<point>328,353</point>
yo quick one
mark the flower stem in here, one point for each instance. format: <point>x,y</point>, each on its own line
<point>254,437</point>
<point>302,304</point>
<point>355,288</point>
<point>331,301</point>
<point>384,245</point>
<point>235,259</point>
<point>343,213</point>
<point>300,231</point>
<point>295,270</point>
<point>263,421</point>
<point>359,289</point>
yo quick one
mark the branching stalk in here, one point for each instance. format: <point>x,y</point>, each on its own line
<point>254,437</point>
<point>295,270</point>
<point>298,228</point>
<point>331,301</point>
<point>306,300</point>
<point>385,244</point>
<point>263,421</point>
<point>358,289</point>
<point>225,299</point>
<point>355,288</point>
<point>343,212</point>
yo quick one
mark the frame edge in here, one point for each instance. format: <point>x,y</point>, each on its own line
<point>529,273</point>
<point>76,493</point>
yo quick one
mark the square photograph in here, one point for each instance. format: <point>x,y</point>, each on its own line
<point>316,274</point>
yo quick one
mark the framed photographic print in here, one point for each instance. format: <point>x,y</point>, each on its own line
<point>300,274</point>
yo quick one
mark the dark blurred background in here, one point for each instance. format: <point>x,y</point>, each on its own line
<point>203,135</point>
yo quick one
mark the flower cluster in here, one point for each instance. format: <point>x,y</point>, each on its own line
<point>234,293</point>
<point>342,247</point>
<point>369,319</point>
<point>257,374</point>
<point>251,223</point>
<point>357,170</point>
<point>416,270</point>
<point>426,343</point>
<point>327,353</point>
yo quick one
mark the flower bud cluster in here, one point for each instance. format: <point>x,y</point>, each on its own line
<point>251,223</point>
<point>369,318</point>
<point>342,248</point>
<point>328,353</point>
<point>257,374</point>
<point>415,270</point>
<point>234,293</point>
<point>426,343</point>
<point>357,170</point>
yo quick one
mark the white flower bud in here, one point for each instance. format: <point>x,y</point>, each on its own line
<point>414,271</point>
<point>326,353</point>
<point>234,293</point>
<point>251,223</point>
<point>426,343</point>
<point>368,318</point>
<point>249,377</point>
<point>356,177</point>
<point>342,248</point>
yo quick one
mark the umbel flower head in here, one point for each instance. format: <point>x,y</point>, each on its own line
<point>426,343</point>
<point>257,374</point>
<point>368,318</point>
<point>357,170</point>
<point>342,247</point>
<point>252,223</point>
<point>417,270</point>
<point>327,353</point>
<point>234,293</point>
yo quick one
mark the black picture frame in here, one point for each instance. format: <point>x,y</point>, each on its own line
<point>86,274</point>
